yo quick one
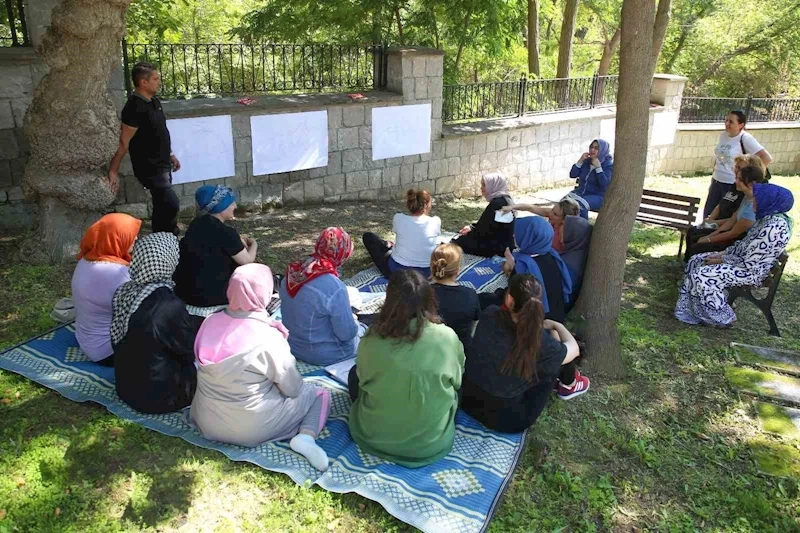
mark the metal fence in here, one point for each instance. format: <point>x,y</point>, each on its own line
<point>709,109</point>
<point>13,31</point>
<point>527,97</point>
<point>191,70</point>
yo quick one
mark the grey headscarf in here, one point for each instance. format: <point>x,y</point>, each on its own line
<point>153,261</point>
<point>577,234</point>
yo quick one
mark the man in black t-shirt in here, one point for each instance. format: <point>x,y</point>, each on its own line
<point>144,133</point>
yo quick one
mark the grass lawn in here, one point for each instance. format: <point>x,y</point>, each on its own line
<point>671,447</point>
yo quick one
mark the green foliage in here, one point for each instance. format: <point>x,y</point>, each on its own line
<point>735,47</point>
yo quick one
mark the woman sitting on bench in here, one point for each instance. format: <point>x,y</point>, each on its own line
<point>735,227</point>
<point>593,171</point>
<point>703,298</point>
<point>726,209</point>
<point>488,237</point>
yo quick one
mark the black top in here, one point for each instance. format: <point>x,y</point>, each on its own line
<point>150,146</point>
<point>489,237</point>
<point>206,262</point>
<point>154,362</point>
<point>459,308</point>
<point>730,203</point>
<point>501,401</point>
<point>552,286</point>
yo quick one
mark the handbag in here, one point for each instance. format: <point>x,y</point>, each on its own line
<point>768,174</point>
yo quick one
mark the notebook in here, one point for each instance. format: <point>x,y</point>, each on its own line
<point>339,371</point>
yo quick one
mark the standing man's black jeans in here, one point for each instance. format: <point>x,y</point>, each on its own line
<point>165,202</point>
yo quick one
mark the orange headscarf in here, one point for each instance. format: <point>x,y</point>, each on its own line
<point>110,238</point>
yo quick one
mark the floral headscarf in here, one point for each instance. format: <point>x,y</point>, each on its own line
<point>333,248</point>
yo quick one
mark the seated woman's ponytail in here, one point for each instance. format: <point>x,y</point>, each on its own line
<point>527,318</point>
<point>446,261</point>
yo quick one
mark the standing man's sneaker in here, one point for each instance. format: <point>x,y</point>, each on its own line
<point>578,387</point>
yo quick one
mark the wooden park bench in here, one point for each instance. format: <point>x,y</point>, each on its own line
<point>765,304</point>
<point>669,210</point>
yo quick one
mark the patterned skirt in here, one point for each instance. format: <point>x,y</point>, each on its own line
<point>703,297</point>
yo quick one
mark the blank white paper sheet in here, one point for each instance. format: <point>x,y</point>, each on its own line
<point>401,130</point>
<point>289,141</point>
<point>204,146</point>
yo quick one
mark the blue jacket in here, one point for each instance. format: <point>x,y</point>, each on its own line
<point>321,326</point>
<point>591,181</point>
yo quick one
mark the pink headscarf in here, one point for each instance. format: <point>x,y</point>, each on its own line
<point>223,335</point>
<point>496,185</point>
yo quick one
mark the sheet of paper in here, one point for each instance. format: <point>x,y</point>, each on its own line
<point>204,146</point>
<point>608,132</point>
<point>504,218</point>
<point>356,301</point>
<point>289,141</point>
<point>664,127</point>
<point>339,371</point>
<point>401,130</point>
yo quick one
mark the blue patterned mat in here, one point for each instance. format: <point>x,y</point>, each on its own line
<point>457,493</point>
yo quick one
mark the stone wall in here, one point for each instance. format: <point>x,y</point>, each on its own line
<point>693,150</point>
<point>20,72</point>
<point>533,152</point>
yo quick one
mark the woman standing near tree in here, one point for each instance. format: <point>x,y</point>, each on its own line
<point>732,142</point>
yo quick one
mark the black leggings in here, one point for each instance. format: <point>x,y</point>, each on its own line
<point>165,209</point>
<point>379,251</point>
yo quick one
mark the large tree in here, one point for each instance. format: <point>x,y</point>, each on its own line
<point>533,37</point>
<point>565,41</point>
<point>601,295</point>
<point>72,124</point>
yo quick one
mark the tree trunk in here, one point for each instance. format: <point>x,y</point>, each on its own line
<point>565,40</point>
<point>608,53</point>
<point>399,26</point>
<point>659,31</point>
<point>601,295</point>
<point>533,37</point>
<point>72,125</point>
<point>62,227</point>
<point>462,39</point>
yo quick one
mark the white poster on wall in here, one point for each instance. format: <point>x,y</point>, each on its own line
<point>664,127</point>
<point>289,141</point>
<point>204,146</point>
<point>401,130</point>
<point>608,128</point>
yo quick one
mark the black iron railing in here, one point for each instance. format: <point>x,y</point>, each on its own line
<point>527,97</point>
<point>709,109</point>
<point>190,70</point>
<point>13,30</point>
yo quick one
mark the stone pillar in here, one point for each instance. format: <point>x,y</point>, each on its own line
<point>667,90</point>
<point>37,18</point>
<point>417,74</point>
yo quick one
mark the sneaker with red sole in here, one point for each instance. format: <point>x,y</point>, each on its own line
<point>578,387</point>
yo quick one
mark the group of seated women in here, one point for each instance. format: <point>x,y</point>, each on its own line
<point>741,260</point>
<point>236,368</point>
<point>733,216</point>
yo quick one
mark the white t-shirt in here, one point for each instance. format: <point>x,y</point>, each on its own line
<point>726,151</point>
<point>416,239</point>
